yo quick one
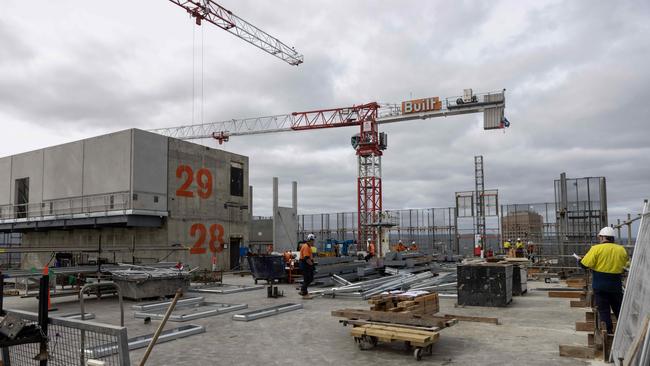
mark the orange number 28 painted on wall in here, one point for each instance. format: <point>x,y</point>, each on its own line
<point>203,182</point>
<point>215,242</point>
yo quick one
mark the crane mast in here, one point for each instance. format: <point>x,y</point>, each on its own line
<point>368,144</point>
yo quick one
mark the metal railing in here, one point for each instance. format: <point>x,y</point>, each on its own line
<point>65,346</point>
<point>117,201</point>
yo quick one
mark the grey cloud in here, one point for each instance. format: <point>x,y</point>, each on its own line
<point>576,74</point>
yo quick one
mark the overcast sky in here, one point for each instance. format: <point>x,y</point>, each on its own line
<point>577,75</point>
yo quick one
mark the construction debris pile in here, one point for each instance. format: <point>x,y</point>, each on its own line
<point>398,281</point>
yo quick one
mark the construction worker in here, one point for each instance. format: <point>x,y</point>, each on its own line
<point>506,246</point>
<point>530,251</point>
<point>371,250</point>
<point>337,250</point>
<point>519,248</point>
<point>314,250</point>
<point>413,247</point>
<point>400,247</point>
<point>287,257</point>
<point>307,265</point>
<point>607,261</point>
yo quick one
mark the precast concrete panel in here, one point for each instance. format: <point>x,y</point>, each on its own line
<point>107,163</point>
<point>150,170</point>
<point>203,215</point>
<point>62,171</point>
<point>29,165</point>
<point>286,229</point>
<point>5,181</point>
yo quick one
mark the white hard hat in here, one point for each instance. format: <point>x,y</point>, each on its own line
<point>518,238</point>
<point>399,241</point>
<point>607,231</point>
<point>369,240</point>
<point>412,242</point>
<point>311,237</point>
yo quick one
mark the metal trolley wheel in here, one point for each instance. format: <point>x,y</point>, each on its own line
<point>366,342</point>
<point>417,353</point>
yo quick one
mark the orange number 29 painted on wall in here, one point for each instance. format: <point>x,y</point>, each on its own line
<point>215,242</point>
<point>203,182</point>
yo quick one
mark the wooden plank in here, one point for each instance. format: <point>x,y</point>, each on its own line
<point>585,326</point>
<point>398,318</point>
<point>634,347</point>
<point>391,328</point>
<point>606,345</point>
<point>567,294</point>
<point>577,351</point>
<point>581,284</point>
<point>395,335</point>
<point>479,319</point>
<point>590,340</point>
<point>589,316</point>
<point>364,322</point>
<point>579,304</point>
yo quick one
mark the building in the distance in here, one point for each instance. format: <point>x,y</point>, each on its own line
<point>137,195</point>
<point>526,225</point>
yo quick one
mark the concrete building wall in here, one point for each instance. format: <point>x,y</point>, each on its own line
<point>189,183</point>
<point>202,213</point>
<point>63,171</point>
<point>150,170</point>
<point>29,165</point>
<point>107,163</point>
<point>95,174</point>
<point>5,181</point>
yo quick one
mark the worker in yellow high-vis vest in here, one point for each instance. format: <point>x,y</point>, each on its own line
<point>519,248</point>
<point>607,261</point>
<point>506,246</point>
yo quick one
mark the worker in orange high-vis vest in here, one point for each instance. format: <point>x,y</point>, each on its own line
<point>371,250</point>
<point>307,265</point>
<point>414,247</point>
<point>400,247</point>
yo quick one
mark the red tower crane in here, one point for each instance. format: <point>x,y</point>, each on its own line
<point>223,18</point>
<point>369,143</point>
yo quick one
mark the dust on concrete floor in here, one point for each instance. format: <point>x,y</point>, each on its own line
<point>530,330</point>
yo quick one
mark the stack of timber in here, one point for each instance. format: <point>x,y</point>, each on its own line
<point>413,302</point>
<point>599,342</point>
<point>402,317</point>
<point>398,317</point>
<point>577,290</point>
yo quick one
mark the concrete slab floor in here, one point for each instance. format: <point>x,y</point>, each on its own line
<point>529,333</point>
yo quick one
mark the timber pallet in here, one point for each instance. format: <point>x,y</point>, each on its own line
<point>424,320</point>
<point>367,336</point>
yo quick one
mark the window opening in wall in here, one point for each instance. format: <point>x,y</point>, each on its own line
<point>236,179</point>
<point>112,202</point>
<point>22,197</point>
